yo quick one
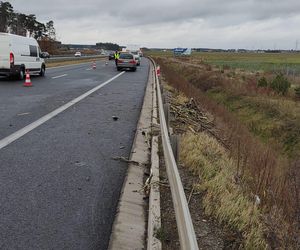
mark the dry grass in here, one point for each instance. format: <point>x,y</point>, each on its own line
<point>224,197</point>
<point>259,168</point>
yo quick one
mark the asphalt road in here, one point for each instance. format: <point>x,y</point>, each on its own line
<point>59,186</point>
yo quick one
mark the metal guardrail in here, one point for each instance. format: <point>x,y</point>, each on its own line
<point>185,226</point>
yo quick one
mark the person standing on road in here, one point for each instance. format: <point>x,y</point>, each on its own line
<point>117,56</point>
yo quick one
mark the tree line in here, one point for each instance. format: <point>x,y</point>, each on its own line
<point>22,24</point>
<point>108,46</point>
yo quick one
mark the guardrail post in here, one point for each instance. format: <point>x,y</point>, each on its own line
<point>161,88</point>
<point>175,140</point>
<point>167,115</point>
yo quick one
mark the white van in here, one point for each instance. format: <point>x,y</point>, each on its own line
<point>18,54</point>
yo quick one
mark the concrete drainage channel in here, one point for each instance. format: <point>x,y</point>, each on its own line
<point>130,230</point>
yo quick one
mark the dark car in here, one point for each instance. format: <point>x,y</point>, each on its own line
<point>111,56</point>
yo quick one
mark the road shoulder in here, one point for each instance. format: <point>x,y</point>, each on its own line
<point>129,229</point>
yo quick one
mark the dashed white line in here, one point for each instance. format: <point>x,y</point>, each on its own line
<point>54,77</point>
<point>18,134</point>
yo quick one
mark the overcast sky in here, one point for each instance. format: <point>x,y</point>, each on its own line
<point>250,24</point>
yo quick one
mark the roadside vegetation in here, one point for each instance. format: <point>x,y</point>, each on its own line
<point>250,169</point>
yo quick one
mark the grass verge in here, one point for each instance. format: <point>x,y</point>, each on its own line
<point>257,170</point>
<point>224,198</point>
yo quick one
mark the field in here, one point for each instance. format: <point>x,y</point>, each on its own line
<point>271,62</point>
<point>259,128</point>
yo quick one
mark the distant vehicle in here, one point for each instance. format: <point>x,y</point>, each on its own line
<point>77,54</point>
<point>18,54</point>
<point>126,61</point>
<point>45,55</point>
<point>111,56</point>
<point>136,57</point>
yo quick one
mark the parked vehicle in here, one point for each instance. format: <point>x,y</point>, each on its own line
<point>137,57</point>
<point>77,54</point>
<point>45,54</point>
<point>111,56</point>
<point>126,61</point>
<point>18,54</point>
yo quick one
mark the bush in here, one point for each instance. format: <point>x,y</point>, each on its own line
<point>262,82</point>
<point>280,84</point>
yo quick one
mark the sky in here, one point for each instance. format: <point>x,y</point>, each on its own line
<point>226,24</point>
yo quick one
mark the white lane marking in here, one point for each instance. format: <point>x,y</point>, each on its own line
<point>54,77</point>
<point>18,134</point>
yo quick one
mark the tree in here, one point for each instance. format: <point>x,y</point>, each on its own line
<point>21,24</point>
<point>6,16</point>
<point>30,23</point>
<point>108,46</point>
<point>50,30</point>
<point>18,25</point>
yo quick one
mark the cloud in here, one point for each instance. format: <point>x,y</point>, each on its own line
<point>157,23</point>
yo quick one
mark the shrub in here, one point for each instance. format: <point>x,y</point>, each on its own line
<point>262,82</point>
<point>280,84</point>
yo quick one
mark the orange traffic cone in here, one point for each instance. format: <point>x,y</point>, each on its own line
<point>94,65</point>
<point>27,82</point>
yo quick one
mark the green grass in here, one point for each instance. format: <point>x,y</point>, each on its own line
<point>271,62</point>
<point>270,120</point>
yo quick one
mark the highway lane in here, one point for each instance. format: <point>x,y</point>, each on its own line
<point>59,185</point>
<point>19,105</point>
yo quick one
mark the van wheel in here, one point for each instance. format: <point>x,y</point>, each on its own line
<point>21,74</point>
<point>42,72</point>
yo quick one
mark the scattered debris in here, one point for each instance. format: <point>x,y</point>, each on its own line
<point>122,158</point>
<point>257,200</point>
<point>23,114</point>
<point>190,196</point>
